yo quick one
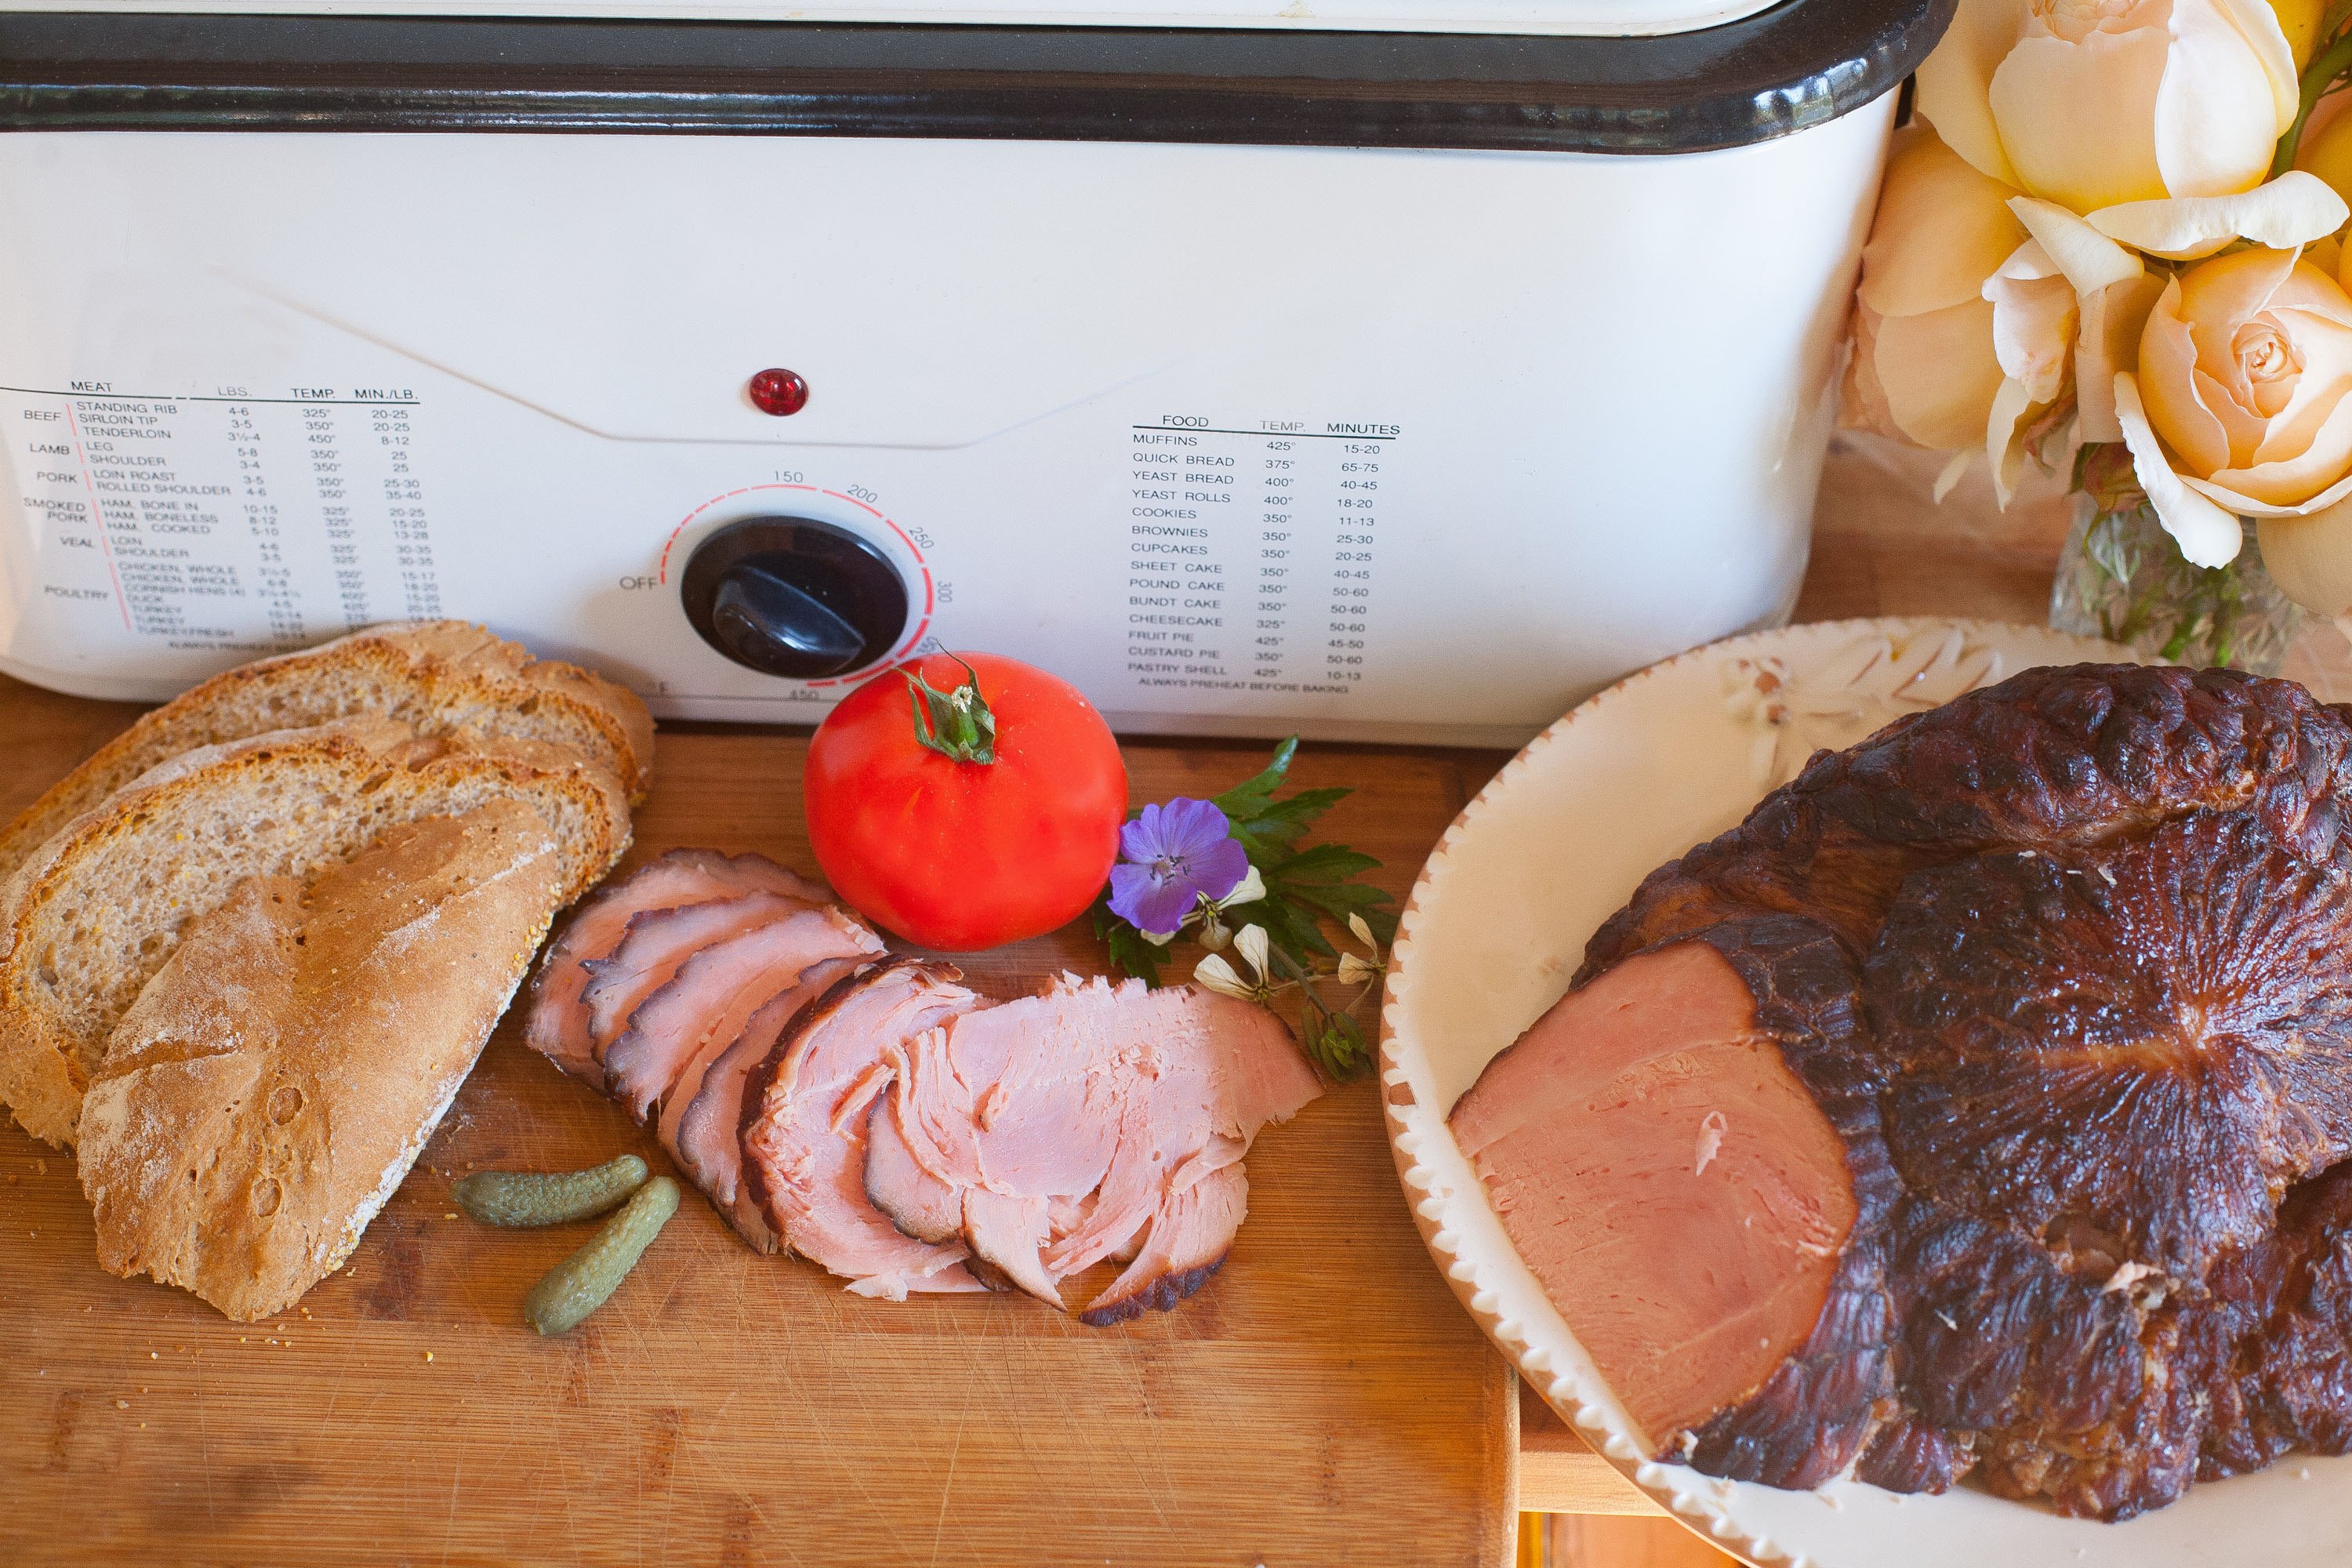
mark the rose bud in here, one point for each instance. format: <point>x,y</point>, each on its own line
<point>2090,103</point>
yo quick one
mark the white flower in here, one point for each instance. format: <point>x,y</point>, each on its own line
<point>1354,968</point>
<point>1218,976</point>
<point>1248,891</point>
<point>1251,944</point>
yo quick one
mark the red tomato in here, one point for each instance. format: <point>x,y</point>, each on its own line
<point>959,854</point>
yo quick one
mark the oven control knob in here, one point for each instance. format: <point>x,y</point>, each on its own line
<point>792,596</point>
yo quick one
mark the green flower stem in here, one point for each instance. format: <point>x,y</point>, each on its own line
<point>2330,64</point>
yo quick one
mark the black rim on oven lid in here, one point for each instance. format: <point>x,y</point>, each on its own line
<point>1798,63</point>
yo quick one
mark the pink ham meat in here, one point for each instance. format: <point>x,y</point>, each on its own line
<point>1647,1121</point>
<point>805,1114</point>
<point>702,1119</point>
<point>1190,1237</point>
<point>710,999</point>
<point>1064,1128</point>
<point>657,945</point>
<point>557,1025</point>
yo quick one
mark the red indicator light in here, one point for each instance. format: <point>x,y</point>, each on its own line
<point>779,392</point>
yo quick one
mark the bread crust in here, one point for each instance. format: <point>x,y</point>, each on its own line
<point>363,775</point>
<point>278,1077</point>
<point>438,677</point>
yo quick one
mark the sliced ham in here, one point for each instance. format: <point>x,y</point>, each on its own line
<point>656,946</point>
<point>1661,1168</point>
<point>1066,1126</point>
<point>806,1111</point>
<point>1190,1235</point>
<point>918,1203</point>
<point>713,994</point>
<point>557,1025</point>
<point>702,1121</point>
<point>1007,1237</point>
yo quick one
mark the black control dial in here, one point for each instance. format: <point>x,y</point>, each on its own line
<point>792,596</point>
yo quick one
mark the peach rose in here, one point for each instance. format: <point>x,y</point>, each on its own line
<point>2243,401</point>
<point>1925,368</point>
<point>2092,104</point>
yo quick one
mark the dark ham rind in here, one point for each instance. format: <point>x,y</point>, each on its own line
<point>1822,1407</point>
<point>714,994</point>
<point>1190,1239</point>
<point>805,1109</point>
<point>557,1026</point>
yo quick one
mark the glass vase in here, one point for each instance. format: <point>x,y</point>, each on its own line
<point>2121,577</point>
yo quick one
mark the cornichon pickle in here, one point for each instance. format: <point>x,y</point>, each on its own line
<point>552,1197</point>
<point>579,1285</point>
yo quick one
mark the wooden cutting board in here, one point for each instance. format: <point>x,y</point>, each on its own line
<point>1322,1401</point>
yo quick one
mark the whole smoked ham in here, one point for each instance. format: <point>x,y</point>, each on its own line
<point>1980,1107</point>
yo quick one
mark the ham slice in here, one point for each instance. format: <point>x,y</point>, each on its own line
<point>806,1111</point>
<point>1190,1237</point>
<point>656,946</point>
<point>557,1025</point>
<point>918,1203</point>
<point>1666,1175</point>
<point>715,991</point>
<point>702,1121</point>
<point>1064,1127</point>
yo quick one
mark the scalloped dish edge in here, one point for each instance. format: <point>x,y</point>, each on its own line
<point>1548,1355</point>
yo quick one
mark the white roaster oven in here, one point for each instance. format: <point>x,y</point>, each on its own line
<point>1374,369</point>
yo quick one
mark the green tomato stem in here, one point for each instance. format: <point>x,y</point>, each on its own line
<point>956,724</point>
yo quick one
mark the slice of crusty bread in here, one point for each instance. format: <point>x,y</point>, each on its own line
<point>280,1073</point>
<point>434,675</point>
<point>98,909</point>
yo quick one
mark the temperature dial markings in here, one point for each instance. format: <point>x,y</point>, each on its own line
<point>907,644</point>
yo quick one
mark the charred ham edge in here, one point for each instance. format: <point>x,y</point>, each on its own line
<point>713,995</point>
<point>1190,1239</point>
<point>805,1109</point>
<point>701,1124</point>
<point>657,945</point>
<point>1673,1152</point>
<point>557,1025</point>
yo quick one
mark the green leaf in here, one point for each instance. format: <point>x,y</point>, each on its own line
<point>1128,951</point>
<point>1247,799</point>
<point>1353,898</point>
<point>1281,823</point>
<point>1290,927</point>
<point>1324,863</point>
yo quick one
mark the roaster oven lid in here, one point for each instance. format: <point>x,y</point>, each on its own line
<point>1593,76</point>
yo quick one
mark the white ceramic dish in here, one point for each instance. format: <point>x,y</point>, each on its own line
<point>1497,924</point>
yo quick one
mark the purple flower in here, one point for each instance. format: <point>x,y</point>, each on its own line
<point>1177,855</point>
